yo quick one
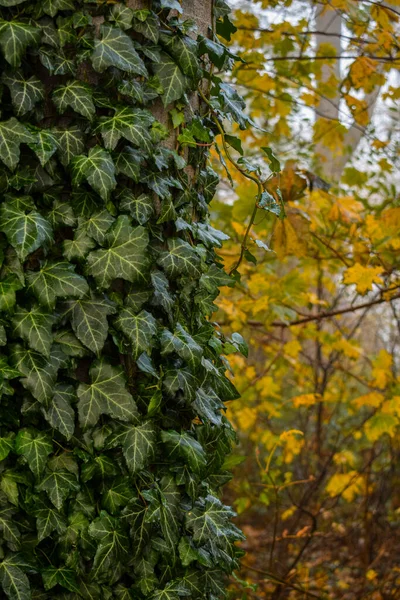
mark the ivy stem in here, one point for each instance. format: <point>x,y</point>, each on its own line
<point>243,172</point>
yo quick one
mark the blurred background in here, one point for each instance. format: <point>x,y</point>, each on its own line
<point>317,476</point>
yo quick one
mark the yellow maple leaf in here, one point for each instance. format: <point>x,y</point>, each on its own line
<point>362,277</point>
<point>306,400</point>
<point>348,485</point>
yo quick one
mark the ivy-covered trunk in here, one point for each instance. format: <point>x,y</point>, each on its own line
<point>113,439</point>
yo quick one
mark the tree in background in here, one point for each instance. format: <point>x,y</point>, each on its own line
<point>319,414</point>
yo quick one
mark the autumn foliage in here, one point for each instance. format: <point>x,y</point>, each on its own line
<point>316,478</point>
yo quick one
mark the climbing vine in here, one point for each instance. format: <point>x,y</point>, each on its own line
<point>113,440</point>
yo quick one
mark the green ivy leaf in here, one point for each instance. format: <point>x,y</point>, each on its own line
<point>184,50</point>
<point>14,582</point>
<point>40,374</point>
<point>63,576</point>
<point>60,414</point>
<point>6,445</point>
<point>12,135</point>
<point>56,280</point>
<point>182,343</point>
<point>44,144</point>
<point>140,329</point>
<point>182,445</point>
<point>172,591</point>
<point>35,447</point>
<point>25,93</point>
<point>97,225</point>
<point>112,544</point>
<point>58,485</point>
<point>51,7</point>
<point>107,394</point>
<point>97,168</point>
<point>8,287</point>
<point>15,37</point>
<point>181,259</point>
<point>149,27</point>
<point>211,521</point>
<point>171,77</point>
<point>48,520</point>
<point>76,95</point>
<point>124,256</point>
<point>138,444</point>
<point>34,327</point>
<point>130,123</point>
<point>25,230</point>
<point>88,317</point>
<point>69,143</point>
<point>140,207</point>
<point>115,49</point>
<point>9,530</point>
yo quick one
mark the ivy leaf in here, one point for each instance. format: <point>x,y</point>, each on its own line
<point>115,49</point>
<point>48,520</point>
<point>122,16</point>
<point>25,93</point>
<point>182,343</point>
<point>138,444</point>
<point>58,485</point>
<point>88,317</point>
<point>112,545</point>
<point>211,522</point>
<point>139,329</point>
<point>97,168</point>
<point>12,134</point>
<point>44,144</point>
<point>60,414</point>
<point>79,247</point>
<point>76,95</point>
<point>107,394</point>
<point>69,142</point>
<point>34,327</point>
<point>35,447</point>
<point>171,77</point>
<point>149,28</point>
<point>97,225</point>
<point>63,576</point>
<point>184,50</point>
<point>162,295</point>
<point>129,162</point>
<point>181,259</point>
<point>40,374</point>
<point>14,582</point>
<point>139,207</point>
<point>6,445</point>
<point>51,7</point>
<point>56,280</point>
<point>172,591</point>
<point>8,287</point>
<point>182,445</point>
<point>26,230</point>
<point>208,405</point>
<point>9,530</point>
<point>15,37</point>
<point>131,123</point>
<point>180,379</point>
<point>124,257</point>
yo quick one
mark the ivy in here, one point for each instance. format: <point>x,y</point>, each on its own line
<point>113,382</point>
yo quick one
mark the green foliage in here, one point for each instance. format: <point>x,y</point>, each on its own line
<point>113,385</point>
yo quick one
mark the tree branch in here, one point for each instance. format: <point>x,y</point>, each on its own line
<point>328,314</point>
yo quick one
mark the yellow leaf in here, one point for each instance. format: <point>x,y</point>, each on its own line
<point>362,277</point>
<point>292,348</point>
<point>373,399</point>
<point>348,485</point>
<point>382,369</point>
<point>380,424</point>
<point>371,575</point>
<point>306,400</point>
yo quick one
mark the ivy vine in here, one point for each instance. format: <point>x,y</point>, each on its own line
<point>113,441</point>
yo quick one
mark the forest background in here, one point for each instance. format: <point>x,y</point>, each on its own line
<point>316,480</point>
